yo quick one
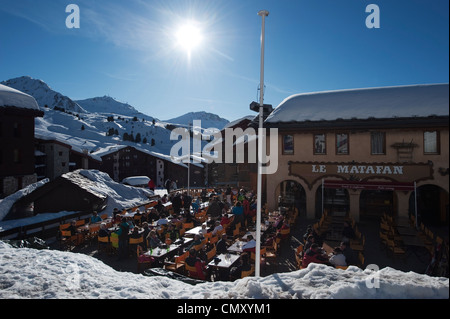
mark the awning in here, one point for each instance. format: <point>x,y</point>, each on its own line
<point>388,186</point>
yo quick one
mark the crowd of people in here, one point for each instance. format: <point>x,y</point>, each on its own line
<point>340,256</point>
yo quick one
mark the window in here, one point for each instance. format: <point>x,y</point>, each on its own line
<point>17,130</point>
<point>17,156</point>
<point>288,145</point>
<point>431,142</point>
<point>320,146</point>
<point>342,144</point>
<point>378,143</point>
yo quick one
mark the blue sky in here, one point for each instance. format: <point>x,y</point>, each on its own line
<point>127,49</point>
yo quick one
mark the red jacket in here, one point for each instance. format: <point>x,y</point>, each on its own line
<point>151,185</point>
<point>312,256</point>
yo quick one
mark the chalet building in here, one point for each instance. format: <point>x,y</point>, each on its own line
<point>364,152</point>
<point>123,161</point>
<point>238,173</point>
<point>54,158</point>
<point>68,192</point>
<point>17,161</point>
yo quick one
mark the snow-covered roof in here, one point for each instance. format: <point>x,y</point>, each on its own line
<point>384,102</point>
<point>114,148</point>
<point>73,147</point>
<point>136,180</point>
<point>16,98</point>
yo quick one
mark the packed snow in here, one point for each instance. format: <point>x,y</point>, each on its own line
<point>48,274</point>
<point>385,102</point>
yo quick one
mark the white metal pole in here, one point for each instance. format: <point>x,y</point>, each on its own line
<point>263,14</point>
<point>415,203</point>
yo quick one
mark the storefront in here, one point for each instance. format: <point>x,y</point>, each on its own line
<point>389,155</point>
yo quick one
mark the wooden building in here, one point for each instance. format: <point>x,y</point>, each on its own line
<point>17,162</point>
<point>68,192</point>
<point>123,161</point>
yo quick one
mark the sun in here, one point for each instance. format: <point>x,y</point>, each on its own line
<point>188,37</point>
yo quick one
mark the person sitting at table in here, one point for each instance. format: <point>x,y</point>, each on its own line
<point>146,231</point>
<point>314,255</point>
<point>103,232</point>
<point>172,232</point>
<point>222,244</point>
<point>95,218</point>
<point>218,227</point>
<point>195,205</point>
<point>244,265</point>
<point>350,255</point>
<point>309,241</point>
<point>250,246</point>
<point>203,230</point>
<point>225,220</point>
<point>197,241</point>
<point>135,233</point>
<point>268,241</point>
<point>152,215</point>
<point>338,258</point>
<point>72,228</point>
<point>159,207</point>
<point>142,257</point>
<point>153,240</point>
<point>285,225</point>
<point>162,220</point>
<point>164,199</point>
<point>193,261</point>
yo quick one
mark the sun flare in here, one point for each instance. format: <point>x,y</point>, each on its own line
<point>189,37</point>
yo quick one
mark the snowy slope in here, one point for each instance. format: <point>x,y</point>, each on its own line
<point>85,123</point>
<point>109,105</point>
<point>50,274</point>
<point>43,94</point>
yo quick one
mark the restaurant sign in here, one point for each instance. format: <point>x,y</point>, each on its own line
<point>311,172</point>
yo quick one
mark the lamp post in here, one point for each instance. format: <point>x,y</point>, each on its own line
<point>263,14</point>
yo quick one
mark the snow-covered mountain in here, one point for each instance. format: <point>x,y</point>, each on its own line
<point>109,105</point>
<point>100,122</point>
<point>43,94</point>
<point>208,120</point>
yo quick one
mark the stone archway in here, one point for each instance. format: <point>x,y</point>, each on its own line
<point>432,205</point>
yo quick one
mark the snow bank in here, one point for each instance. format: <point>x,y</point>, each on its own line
<point>48,274</point>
